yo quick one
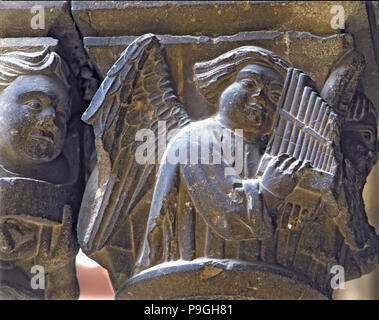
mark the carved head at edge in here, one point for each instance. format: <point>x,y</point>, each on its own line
<point>35,107</point>
<point>359,141</point>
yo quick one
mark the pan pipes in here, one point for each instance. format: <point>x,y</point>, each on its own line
<point>303,126</point>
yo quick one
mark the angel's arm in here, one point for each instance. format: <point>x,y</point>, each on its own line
<point>238,208</point>
<point>233,207</point>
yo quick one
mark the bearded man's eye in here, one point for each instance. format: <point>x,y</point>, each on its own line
<point>367,135</point>
<point>34,104</point>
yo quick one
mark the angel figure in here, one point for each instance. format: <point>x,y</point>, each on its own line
<point>183,208</point>
<point>39,178</point>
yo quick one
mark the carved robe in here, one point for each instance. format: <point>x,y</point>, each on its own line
<point>200,211</point>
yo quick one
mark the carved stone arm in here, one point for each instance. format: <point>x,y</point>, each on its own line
<point>233,207</point>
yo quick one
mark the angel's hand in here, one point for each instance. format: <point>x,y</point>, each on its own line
<point>279,178</point>
<point>57,244</point>
<point>305,169</point>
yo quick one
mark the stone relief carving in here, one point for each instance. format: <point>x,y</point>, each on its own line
<point>212,224</point>
<point>258,200</point>
<point>359,152</point>
<point>39,176</point>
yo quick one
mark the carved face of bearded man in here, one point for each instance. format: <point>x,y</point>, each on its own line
<point>34,112</point>
<point>360,144</point>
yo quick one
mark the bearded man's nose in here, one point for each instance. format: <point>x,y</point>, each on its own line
<point>47,115</point>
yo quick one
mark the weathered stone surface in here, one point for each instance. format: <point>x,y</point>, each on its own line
<point>219,279</point>
<point>16,17</point>
<point>290,204</point>
<point>119,18</point>
<point>375,4</point>
<point>183,51</point>
<point>290,208</point>
<point>27,44</point>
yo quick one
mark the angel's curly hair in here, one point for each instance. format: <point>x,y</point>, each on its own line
<point>20,63</point>
<point>213,76</point>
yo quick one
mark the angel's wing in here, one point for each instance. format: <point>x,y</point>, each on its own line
<point>135,95</point>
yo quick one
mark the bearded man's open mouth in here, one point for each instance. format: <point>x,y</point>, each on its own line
<point>43,135</point>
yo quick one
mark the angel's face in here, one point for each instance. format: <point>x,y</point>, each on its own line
<point>34,112</point>
<point>250,102</point>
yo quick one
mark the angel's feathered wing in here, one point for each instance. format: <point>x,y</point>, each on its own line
<point>135,95</point>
